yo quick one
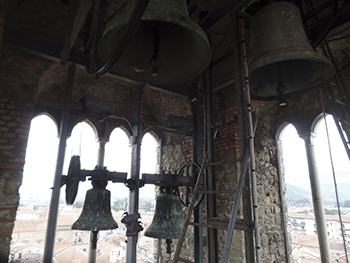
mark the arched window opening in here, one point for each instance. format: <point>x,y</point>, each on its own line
<point>40,159</point>
<point>35,192</point>
<point>38,179</point>
<point>149,162</point>
<point>296,174</point>
<point>339,156</point>
<point>301,219</point>
<point>332,158</point>
<point>118,159</point>
<point>82,142</point>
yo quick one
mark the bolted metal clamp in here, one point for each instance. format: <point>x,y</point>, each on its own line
<point>133,226</point>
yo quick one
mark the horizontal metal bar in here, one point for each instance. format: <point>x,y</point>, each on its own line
<point>168,180</point>
<point>220,15</point>
<point>98,175</point>
<point>217,192</point>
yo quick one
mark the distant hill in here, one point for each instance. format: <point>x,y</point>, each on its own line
<point>295,193</point>
<point>301,191</point>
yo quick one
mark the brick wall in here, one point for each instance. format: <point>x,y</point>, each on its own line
<point>15,120</point>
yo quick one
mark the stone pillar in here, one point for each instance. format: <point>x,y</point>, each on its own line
<point>317,197</point>
<point>15,120</point>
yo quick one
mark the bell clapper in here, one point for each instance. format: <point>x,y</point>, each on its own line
<point>168,246</point>
<point>281,88</point>
<point>155,61</point>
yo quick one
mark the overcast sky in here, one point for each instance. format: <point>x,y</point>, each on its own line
<point>294,154</point>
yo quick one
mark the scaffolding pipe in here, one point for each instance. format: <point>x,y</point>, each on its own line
<point>55,195</point>
<point>131,246</point>
<point>251,132</point>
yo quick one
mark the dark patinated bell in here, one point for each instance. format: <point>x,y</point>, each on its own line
<point>168,220</point>
<point>281,59</point>
<point>96,214</point>
<point>167,47</point>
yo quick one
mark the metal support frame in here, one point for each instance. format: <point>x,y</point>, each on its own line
<point>251,131</point>
<point>198,212</point>
<point>210,176</point>
<point>55,196</point>
<point>131,247</point>
<point>247,202</point>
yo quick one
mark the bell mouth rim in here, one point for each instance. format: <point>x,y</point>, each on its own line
<point>288,95</point>
<point>144,75</point>
<point>290,55</point>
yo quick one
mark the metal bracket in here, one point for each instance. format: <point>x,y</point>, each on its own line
<point>130,183</point>
<point>133,226</point>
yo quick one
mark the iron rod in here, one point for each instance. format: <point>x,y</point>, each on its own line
<point>250,139</point>
<point>131,247</point>
<point>247,202</point>
<point>55,195</point>
<point>210,176</point>
<point>198,212</point>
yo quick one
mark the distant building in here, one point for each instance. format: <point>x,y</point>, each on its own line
<point>306,223</point>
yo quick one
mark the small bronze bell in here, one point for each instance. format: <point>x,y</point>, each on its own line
<point>96,214</point>
<point>168,220</point>
<point>281,59</point>
<point>168,47</point>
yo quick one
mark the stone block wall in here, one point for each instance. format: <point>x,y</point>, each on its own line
<point>14,128</point>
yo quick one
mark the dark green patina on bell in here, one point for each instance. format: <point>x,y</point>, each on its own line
<point>168,220</point>
<point>96,214</point>
<point>167,47</point>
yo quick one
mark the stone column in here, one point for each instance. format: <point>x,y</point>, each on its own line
<point>317,197</point>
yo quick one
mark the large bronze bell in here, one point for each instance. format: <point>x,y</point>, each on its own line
<point>96,214</point>
<point>281,59</point>
<point>168,220</point>
<point>168,47</point>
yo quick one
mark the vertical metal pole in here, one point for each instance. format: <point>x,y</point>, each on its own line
<point>94,234</point>
<point>247,207</point>
<point>317,198</point>
<point>251,135</point>
<point>211,206</point>
<point>55,195</point>
<point>198,212</point>
<point>131,247</point>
